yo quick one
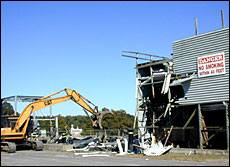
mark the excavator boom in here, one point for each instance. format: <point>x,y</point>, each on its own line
<point>47,101</point>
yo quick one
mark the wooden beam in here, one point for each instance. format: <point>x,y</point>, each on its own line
<point>189,120</point>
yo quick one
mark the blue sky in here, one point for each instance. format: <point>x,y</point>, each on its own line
<point>49,46</point>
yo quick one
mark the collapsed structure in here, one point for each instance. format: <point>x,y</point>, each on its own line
<point>185,100</point>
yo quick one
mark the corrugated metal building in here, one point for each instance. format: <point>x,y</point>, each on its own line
<point>192,96</point>
<point>186,51</point>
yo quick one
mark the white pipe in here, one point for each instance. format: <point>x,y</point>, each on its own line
<point>119,146</point>
<point>126,145</point>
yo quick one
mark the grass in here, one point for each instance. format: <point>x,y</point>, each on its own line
<point>177,156</point>
<point>182,157</point>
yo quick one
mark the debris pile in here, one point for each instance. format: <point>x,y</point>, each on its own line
<point>93,144</point>
<point>157,149</point>
<point>119,145</point>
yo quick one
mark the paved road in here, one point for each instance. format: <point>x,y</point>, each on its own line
<point>49,158</point>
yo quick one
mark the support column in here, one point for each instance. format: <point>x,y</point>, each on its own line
<point>130,138</point>
<point>138,102</point>
<point>154,114</point>
<point>15,105</point>
<point>227,124</point>
<point>137,97</point>
<point>200,127</point>
<point>56,122</point>
<point>151,73</point>
<point>51,126</point>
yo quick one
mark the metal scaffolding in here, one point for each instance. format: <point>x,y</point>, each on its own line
<point>31,99</point>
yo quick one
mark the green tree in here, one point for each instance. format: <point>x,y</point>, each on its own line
<point>62,125</point>
<point>7,109</point>
<point>118,120</point>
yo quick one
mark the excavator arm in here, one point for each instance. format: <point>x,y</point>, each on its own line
<point>46,101</point>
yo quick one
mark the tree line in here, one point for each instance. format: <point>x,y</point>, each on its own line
<point>118,120</point>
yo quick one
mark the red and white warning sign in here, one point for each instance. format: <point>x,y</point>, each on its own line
<point>211,65</point>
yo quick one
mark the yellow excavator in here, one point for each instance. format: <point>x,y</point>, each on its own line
<point>16,132</point>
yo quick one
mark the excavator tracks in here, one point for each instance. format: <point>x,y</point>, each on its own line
<point>36,145</point>
<point>9,147</point>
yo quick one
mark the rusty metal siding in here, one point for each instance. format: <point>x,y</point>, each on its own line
<point>210,88</point>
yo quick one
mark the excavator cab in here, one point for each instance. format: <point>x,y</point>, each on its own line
<point>8,121</point>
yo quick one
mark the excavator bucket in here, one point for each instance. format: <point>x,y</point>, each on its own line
<point>97,121</point>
